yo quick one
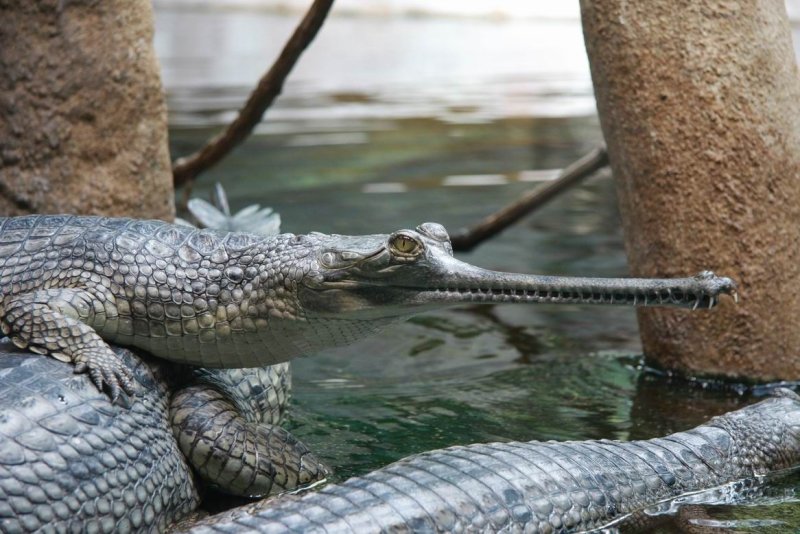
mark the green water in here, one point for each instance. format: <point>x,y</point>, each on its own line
<point>480,373</point>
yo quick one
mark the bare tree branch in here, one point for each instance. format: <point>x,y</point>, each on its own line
<point>268,88</point>
<point>468,238</point>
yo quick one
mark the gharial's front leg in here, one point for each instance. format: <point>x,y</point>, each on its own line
<point>57,322</point>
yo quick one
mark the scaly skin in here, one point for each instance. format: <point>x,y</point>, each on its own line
<point>70,461</point>
<point>226,424</point>
<point>537,487</point>
<point>70,284</point>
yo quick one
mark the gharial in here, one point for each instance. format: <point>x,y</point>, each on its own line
<point>69,284</point>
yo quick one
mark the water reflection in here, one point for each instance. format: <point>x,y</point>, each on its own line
<point>480,71</point>
<point>766,506</point>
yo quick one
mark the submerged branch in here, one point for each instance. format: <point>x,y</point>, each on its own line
<point>467,238</point>
<point>268,88</point>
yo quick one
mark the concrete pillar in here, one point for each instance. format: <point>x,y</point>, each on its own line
<point>699,102</point>
<point>82,111</point>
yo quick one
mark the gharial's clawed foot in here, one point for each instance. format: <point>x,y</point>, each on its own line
<point>57,321</point>
<point>107,372</point>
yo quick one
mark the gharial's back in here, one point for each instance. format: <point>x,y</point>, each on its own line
<point>51,251</point>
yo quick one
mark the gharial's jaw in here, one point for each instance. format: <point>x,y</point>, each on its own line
<point>461,282</point>
<point>449,281</point>
<point>410,271</point>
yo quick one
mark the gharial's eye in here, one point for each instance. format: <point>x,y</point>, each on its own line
<point>405,245</point>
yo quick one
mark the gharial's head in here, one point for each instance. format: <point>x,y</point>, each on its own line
<point>381,276</point>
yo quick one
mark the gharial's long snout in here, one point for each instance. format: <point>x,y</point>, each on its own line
<point>455,281</point>
<point>413,270</point>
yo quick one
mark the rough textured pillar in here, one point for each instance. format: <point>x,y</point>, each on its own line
<point>699,101</point>
<point>82,111</point>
